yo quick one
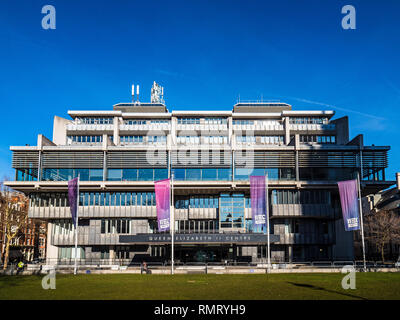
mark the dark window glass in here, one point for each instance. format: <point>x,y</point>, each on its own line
<point>129,174</point>
<point>145,174</point>
<point>209,174</point>
<point>114,175</point>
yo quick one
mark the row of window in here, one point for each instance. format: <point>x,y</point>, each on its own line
<point>141,174</point>
<point>301,197</point>
<point>243,122</point>
<point>188,120</point>
<point>273,173</point>
<point>308,120</point>
<point>85,139</point>
<point>141,139</point>
<point>94,199</point>
<point>95,120</point>
<point>203,174</point>
<point>182,174</point>
<point>317,139</point>
<point>205,140</point>
<point>113,226</point>
<point>145,121</point>
<point>260,139</point>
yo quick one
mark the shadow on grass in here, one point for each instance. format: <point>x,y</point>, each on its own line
<point>304,285</point>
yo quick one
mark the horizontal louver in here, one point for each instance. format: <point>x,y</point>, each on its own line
<point>72,159</point>
<point>25,159</point>
<point>137,159</point>
<point>328,159</point>
<point>201,158</point>
<point>265,159</point>
<point>375,159</point>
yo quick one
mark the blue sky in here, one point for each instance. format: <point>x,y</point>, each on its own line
<point>205,54</point>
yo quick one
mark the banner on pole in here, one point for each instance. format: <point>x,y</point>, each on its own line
<point>258,204</point>
<point>349,201</point>
<point>72,198</point>
<point>163,204</point>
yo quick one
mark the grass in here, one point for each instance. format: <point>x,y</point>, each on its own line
<point>202,287</point>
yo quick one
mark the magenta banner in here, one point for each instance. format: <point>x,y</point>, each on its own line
<point>163,203</point>
<point>349,201</point>
<point>73,197</point>
<point>257,195</point>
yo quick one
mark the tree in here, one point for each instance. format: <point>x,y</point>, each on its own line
<point>14,215</point>
<point>381,228</point>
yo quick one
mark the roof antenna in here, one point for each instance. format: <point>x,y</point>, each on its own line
<point>137,94</point>
<point>133,93</point>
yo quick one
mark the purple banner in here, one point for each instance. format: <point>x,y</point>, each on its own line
<point>72,198</point>
<point>349,202</point>
<point>163,203</point>
<point>257,195</point>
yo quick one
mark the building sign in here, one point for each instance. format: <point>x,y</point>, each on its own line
<point>198,238</point>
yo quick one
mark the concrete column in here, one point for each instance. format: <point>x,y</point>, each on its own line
<point>51,251</point>
<point>290,253</point>
<point>112,253</point>
<point>116,131</point>
<point>287,130</point>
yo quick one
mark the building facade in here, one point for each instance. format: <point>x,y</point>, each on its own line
<point>30,241</point>
<point>118,154</point>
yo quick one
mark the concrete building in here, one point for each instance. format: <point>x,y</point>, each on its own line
<point>119,154</point>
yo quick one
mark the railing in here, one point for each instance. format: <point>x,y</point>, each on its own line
<point>275,264</point>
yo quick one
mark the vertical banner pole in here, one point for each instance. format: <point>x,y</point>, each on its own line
<point>76,226</point>
<point>361,220</point>
<point>267,217</point>
<point>172,223</point>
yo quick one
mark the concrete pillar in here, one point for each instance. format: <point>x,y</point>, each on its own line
<point>51,251</point>
<point>287,130</point>
<point>116,131</point>
<point>112,253</point>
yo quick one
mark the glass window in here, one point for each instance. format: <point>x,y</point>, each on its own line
<point>145,174</point>
<point>114,174</point>
<point>209,174</point>
<point>193,174</point>
<point>96,175</point>
<point>129,174</point>
<point>160,174</point>
<point>179,174</point>
<point>224,174</point>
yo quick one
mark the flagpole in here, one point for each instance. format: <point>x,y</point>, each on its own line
<point>361,219</point>
<point>173,223</point>
<point>267,216</point>
<point>76,226</point>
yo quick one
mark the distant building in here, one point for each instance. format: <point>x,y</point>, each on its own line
<point>119,154</point>
<point>30,242</point>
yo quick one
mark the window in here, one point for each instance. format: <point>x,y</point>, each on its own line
<point>95,120</point>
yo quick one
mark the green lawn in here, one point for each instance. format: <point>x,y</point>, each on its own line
<point>133,286</point>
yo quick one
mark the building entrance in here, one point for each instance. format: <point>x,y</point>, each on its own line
<point>203,253</point>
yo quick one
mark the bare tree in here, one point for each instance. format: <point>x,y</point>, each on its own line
<point>14,215</point>
<point>381,228</point>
